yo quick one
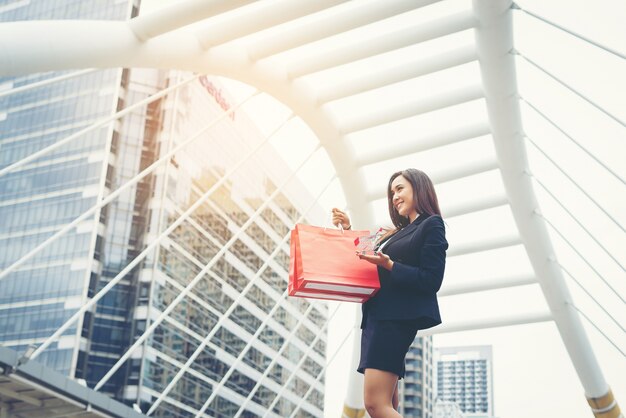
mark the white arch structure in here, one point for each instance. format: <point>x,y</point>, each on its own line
<point>252,43</point>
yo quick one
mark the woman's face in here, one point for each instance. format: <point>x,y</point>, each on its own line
<point>402,197</point>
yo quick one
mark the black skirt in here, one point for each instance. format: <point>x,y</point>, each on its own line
<point>384,344</point>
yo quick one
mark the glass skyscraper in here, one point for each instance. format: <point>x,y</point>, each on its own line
<point>39,198</point>
<point>43,196</point>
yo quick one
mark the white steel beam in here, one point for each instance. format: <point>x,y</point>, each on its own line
<point>35,46</point>
<point>376,45</point>
<point>359,83</point>
<point>45,82</point>
<point>494,40</point>
<point>468,169</point>
<point>379,190</point>
<point>423,143</point>
<point>494,321</point>
<point>481,245</point>
<point>179,14</point>
<point>340,19</point>
<point>476,205</point>
<point>254,19</point>
<point>353,404</point>
<point>485,284</point>
<point>94,126</point>
<point>396,111</point>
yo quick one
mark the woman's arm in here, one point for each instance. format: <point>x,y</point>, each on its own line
<point>429,276</point>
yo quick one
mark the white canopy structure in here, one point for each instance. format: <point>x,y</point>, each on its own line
<point>367,76</point>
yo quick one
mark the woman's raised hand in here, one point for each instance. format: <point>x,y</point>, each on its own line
<point>340,217</point>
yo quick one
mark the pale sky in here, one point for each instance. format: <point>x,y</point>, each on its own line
<point>533,376</point>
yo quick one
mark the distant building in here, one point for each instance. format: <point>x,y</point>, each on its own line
<point>447,409</point>
<point>464,376</point>
<point>416,390</point>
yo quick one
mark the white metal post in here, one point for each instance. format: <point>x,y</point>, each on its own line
<point>354,405</point>
<point>494,39</point>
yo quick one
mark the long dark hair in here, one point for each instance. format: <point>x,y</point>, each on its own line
<point>424,197</point>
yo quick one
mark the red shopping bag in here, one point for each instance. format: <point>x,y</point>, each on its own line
<point>323,265</point>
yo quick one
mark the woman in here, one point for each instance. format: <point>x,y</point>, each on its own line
<point>411,260</point>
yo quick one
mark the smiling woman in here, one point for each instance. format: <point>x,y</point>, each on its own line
<point>411,263</point>
<point>381,85</point>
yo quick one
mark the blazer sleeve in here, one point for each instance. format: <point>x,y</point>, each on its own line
<point>428,277</point>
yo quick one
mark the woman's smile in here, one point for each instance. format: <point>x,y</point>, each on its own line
<point>402,195</point>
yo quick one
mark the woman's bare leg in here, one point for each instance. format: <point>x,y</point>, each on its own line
<point>394,398</point>
<point>379,388</point>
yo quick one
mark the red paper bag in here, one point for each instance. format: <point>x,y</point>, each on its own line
<point>324,265</point>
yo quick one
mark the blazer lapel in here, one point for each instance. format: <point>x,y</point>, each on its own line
<point>407,229</point>
<point>404,231</point>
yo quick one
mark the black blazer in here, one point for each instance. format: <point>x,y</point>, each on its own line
<point>409,290</point>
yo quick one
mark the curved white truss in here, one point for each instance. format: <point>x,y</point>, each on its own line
<point>32,47</point>
<point>163,40</point>
<point>495,40</point>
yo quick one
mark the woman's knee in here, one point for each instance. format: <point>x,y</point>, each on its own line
<point>374,402</point>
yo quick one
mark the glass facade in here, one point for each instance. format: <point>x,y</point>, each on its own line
<point>416,389</point>
<point>39,198</point>
<point>121,230</point>
<point>234,232</point>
